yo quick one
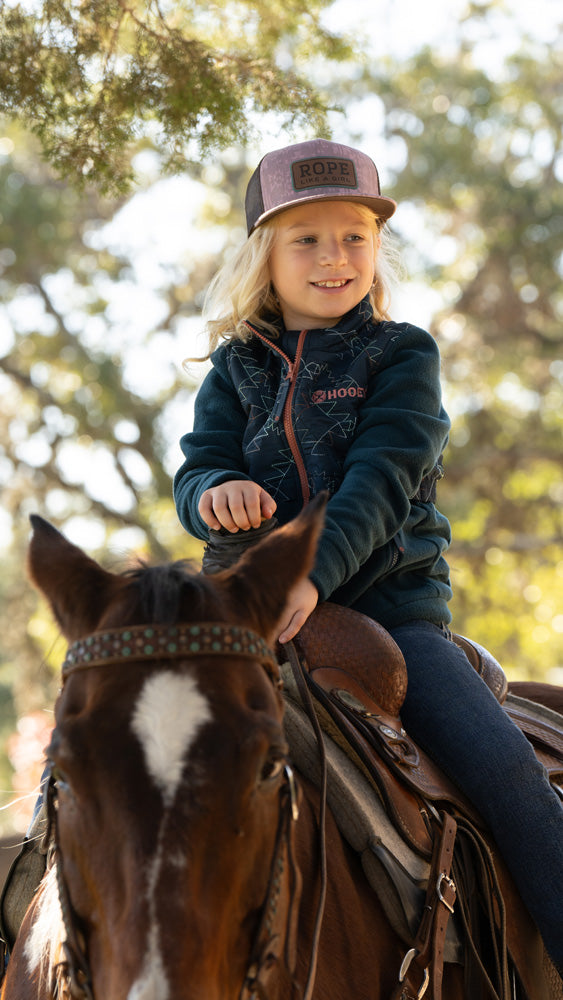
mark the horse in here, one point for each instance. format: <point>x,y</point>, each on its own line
<point>186,861</point>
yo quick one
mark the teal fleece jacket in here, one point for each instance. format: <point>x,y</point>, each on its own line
<point>356,410</point>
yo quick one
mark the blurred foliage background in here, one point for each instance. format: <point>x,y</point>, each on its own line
<point>97,314</point>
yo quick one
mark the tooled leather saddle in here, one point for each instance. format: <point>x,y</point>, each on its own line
<point>356,680</point>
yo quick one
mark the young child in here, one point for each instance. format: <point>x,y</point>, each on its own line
<point>315,388</point>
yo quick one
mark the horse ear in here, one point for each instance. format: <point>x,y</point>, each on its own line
<point>259,583</point>
<point>77,588</point>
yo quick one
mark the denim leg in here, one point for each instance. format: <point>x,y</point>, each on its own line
<point>456,719</point>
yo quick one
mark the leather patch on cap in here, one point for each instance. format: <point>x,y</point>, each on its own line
<point>323,170</point>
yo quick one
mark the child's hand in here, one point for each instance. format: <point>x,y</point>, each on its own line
<point>302,600</point>
<point>236,504</point>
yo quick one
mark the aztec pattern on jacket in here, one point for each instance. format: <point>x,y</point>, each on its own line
<point>355,410</point>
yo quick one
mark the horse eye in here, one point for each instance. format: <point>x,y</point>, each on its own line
<point>60,778</point>
<point>273,767</point>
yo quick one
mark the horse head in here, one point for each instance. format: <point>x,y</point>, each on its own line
<point>169,793</point>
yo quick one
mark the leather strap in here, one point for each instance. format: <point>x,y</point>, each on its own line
<point>148,643</point>
<point>278,922</point>
<point>73,974</point>
<point>302,680</point>
<point>423,964</point>
<point>405,777</point>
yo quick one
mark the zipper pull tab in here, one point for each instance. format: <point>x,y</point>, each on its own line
<point>279,404</point>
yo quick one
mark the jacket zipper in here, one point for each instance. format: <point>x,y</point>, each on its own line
<point>286,414</point>
<point>397,550</point>
<point>288,422</point>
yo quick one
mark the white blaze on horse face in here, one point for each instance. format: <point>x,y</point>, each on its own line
<point>152,983</point>
<point>167,718</point>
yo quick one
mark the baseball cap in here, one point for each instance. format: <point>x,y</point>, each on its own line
<point>317,170</point>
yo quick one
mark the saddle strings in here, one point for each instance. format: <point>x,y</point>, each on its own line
<point>491,894</point>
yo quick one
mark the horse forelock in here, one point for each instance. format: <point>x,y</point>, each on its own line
<point>166,594</point>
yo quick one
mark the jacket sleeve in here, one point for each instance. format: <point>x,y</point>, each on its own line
<point>401,432</point>
<point>213,449</point>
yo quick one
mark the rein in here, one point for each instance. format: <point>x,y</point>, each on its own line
<point>161,642</point>
<point>75,968</point>
<point>300,676</point>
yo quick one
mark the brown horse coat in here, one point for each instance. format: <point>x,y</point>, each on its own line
<point>168,798</point>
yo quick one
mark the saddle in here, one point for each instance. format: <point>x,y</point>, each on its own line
<point>359,680</point>
<point>360,675</point>
<point>356,681</point>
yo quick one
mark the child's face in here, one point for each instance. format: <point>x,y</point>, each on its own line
<point>322,262</point>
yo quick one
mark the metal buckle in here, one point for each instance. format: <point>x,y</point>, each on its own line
<point>442,877</point>
<point>405,965</point>
<point>293,797</point>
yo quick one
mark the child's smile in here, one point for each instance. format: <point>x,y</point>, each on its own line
<point>332,284</point>
<point>323,262</point>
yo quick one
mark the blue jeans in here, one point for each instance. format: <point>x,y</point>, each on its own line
<point>451,713</point>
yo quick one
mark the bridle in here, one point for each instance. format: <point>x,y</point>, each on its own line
<point>158,642</point>
<point>166,642</point>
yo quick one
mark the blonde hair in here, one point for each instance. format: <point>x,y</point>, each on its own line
<point>242,292</point>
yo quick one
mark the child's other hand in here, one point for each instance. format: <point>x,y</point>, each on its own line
<point>236,504</point>
<point>302,600</point>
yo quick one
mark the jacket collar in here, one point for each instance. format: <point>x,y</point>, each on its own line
<point>350,322</point>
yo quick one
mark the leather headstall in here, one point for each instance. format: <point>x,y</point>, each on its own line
<point>74,971</point>
<point>158,642</point>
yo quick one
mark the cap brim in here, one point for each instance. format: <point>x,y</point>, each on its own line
<point>383,207</point>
